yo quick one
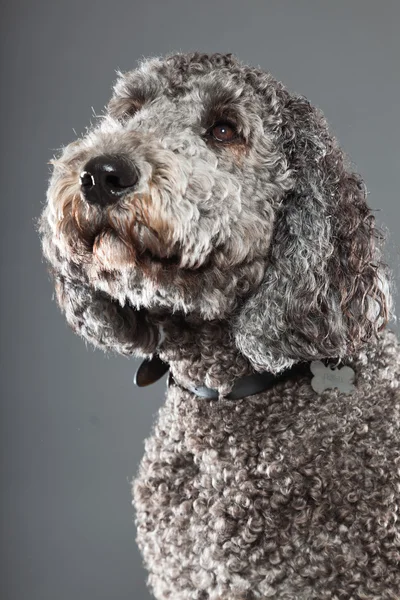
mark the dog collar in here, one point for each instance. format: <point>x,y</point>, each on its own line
<point>249,384</point>
<point>324,377</point>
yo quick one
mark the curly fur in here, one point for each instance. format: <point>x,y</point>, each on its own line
<point>228,260</point>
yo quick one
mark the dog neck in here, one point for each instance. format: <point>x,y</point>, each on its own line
<point>201,353</point>
<point>203,358</point>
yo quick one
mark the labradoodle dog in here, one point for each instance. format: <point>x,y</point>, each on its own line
<point>210,223</point>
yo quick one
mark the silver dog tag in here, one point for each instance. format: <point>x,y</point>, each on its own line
<point>326,378</point>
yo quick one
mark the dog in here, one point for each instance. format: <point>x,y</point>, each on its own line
<point>211,224</point>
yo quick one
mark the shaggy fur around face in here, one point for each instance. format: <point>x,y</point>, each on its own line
<point>230,258</point>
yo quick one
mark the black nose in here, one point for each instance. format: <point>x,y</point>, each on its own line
<point>104,179</point>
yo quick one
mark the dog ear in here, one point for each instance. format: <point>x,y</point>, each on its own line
<point>92,313</point>
<point>325,291</point>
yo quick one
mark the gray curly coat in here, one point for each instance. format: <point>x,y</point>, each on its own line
<point>235,256</point>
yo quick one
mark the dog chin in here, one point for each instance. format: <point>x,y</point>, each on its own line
<point>110,252</point>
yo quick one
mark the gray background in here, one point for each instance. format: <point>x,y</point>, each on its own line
<point>72,423</point>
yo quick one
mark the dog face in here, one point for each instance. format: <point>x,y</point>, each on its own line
<point>209,189</point>
<point>193,231</point>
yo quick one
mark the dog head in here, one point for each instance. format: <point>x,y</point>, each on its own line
<point>207,188</point>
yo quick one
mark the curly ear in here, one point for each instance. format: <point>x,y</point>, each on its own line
<point>92,313</point>
<point>325,291</point>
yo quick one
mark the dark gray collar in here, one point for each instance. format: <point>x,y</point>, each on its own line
<point>248,385</point>
<point>152,369</point>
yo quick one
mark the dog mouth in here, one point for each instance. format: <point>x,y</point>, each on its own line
<point>174,260</point>
<point>117,244</point>
<point>142,249</point>
<point>149,259</point>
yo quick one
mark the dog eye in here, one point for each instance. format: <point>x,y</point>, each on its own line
<point>223,132</point>
<point>123,109</point>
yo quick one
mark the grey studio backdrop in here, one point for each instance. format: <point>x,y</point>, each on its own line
<point>72,423</point>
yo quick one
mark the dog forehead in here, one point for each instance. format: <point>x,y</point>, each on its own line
<point>151,82</point>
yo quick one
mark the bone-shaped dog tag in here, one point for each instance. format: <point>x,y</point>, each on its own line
<point>326,378</point>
